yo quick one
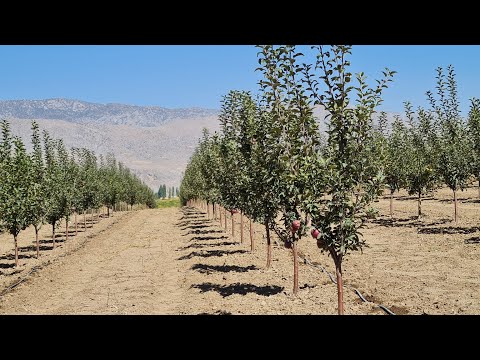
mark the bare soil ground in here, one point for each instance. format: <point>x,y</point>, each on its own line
<point>176,261</point>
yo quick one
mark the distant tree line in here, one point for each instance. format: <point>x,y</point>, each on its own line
<point>165,192</point>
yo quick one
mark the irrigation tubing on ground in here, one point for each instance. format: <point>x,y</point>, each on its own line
<point>356,291</point>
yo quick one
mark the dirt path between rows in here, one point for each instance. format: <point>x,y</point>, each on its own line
<point>177,261</point>
<point>128,269</point>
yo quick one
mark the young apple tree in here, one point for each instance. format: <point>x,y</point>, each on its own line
<point>454,150</point>
<point>293,135</point>
<point>395,161</point>
<point>39,201</point>
<point>350,181</point>
<point>16,186</point>
<point>473,127</point>
<point>421,154</point>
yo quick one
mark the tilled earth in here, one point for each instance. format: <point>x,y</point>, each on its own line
<point>176,261</point>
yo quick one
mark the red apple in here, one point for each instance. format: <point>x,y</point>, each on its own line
<point>320,244</point>
<point>288,244</point>
<point>295,225</point>
<point>315,233</point>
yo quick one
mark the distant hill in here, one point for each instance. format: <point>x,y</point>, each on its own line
<point>155,142</point>
<point>84,112</point>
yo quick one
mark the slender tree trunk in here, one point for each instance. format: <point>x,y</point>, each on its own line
<point>295,268</point>
<point>233,225</point>
<point>208,211</point>
<point>455,205</point>
<point>252,244</point>
<point>36,240</point>
<point>419,204</point>
<point>53,235</point>
<point>241,227</point>
<point>269,245</point>
<point>479,187</point>
<point>16,250</point>
<point>66,229</point>
<point>338,269</point>
<point>391,203</point>
<point>225,217</point>
<point>108,211</point>
<point>76,224</point>
<point>220,215</point>
<point>93,216</point>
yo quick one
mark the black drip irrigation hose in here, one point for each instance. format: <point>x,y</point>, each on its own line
<point>358,293</point>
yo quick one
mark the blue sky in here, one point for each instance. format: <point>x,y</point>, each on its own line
<point>186,76</point>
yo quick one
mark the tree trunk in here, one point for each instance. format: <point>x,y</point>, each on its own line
<point>108,211</point>
<point>84,221</point>
<point>419,204</point>
<point>252,244</point>
<point>269,245</point>
<point>76,224</point>
<point>220,215</point>
<point>338,269</point>
<point>233,225</point>
<point>53,235</point>
<point>66,229</point>
<point>241,227</point>
<point>93,216</point>
<point>16,250</point>
<point>208,211</point>
<point>479,187</point>
<point>295,268</point>
<point>36,241</point>
<point>455,205</point>
<point>225,217</point>
<point>391,203</point>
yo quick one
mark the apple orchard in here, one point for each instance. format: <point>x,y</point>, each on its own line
<point>271,162</point>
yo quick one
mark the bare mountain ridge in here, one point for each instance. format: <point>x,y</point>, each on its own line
<point>86,112</point>
<point>156,143</point>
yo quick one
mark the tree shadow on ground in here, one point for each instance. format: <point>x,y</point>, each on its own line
<point>218,312</point>
<point>194,226</point>
<point>409,198</point>
<point>188,217</point>
<point>206,238</point>
<point>412,221</point>
<point>7,266</point>
<point>449,230</point>
<point>239,288</point>
<point>34,248</point>
<point>201,232</point>
<point>50,241</point>
<point>396,222</point>
<point>62,234</point>
<point>473,240</point>
<point>10,273</point>
<point>12,256</point>
<point>193,222</point>
<point>471,201</point>
<point>210,253</point>
<point>205,269</point>
<point>200,246</point>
